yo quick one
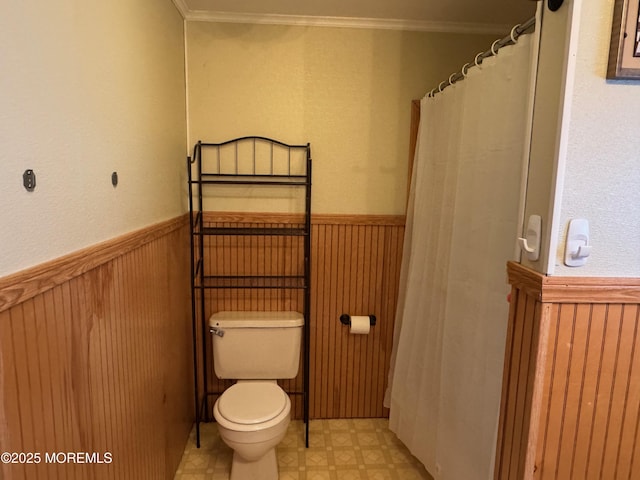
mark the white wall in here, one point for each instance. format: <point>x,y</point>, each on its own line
<point>602,172</point>
<point>346,91</point>
<point>88,88</point>
<point>584,155</point>
<point>546,136</point>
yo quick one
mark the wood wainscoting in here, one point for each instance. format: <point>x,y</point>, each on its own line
<point>355,269</point>
<point>571,391</point>
<point>95,357</point>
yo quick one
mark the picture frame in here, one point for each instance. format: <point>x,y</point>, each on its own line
<point>624,51</point>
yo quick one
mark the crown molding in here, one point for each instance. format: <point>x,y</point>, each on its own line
<point>340,22</point>
<point>182,7</point>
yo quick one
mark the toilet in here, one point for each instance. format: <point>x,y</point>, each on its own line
<point>256,349</point>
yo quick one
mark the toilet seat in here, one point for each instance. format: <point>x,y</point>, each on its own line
<point>250,406</point>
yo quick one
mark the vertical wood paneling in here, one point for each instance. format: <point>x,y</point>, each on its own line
<point>628,438</point>
<point>585,370</point>
<point>11,432</point>
<point>355,270</point>
<point>519,381</point>
<point>589,392</point>
<point>100,363</point>
<point>527,349</point>
<point>576,375</point>
<point>357,273</point>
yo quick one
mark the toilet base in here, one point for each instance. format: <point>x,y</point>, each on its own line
<point>266,468</point>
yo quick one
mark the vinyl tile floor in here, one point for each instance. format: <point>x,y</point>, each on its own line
<point>346,449</point>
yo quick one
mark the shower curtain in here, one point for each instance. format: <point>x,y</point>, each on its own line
<point>462,224</point>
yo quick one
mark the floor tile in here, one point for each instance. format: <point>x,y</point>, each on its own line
<point>340,449</point>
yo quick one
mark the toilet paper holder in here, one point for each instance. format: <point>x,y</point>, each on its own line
<point>345,319</point>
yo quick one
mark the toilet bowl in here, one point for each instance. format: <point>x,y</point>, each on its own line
<point>253,417</point>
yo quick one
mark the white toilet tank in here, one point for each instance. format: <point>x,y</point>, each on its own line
<point>256,345</point>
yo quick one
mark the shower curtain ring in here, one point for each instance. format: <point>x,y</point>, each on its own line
<point>465,70</point>
<point>493,46</point>
<point>478,57</point>
<point>515,34</point>
<point>451,78</point>
<point>440,87</point>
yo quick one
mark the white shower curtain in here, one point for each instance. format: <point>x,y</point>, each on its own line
<point>462,225</point>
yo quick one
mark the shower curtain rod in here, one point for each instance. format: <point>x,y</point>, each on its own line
<point>510,39</point>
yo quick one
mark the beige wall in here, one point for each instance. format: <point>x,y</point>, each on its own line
<point>346,91</point>
<point>88,89</point>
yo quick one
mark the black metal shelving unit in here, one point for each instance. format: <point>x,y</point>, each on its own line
<point>250,162</point>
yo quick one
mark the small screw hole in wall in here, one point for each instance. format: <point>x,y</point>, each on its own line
<point>114,179</point>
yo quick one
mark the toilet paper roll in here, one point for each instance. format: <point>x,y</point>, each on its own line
<point>360,325</point>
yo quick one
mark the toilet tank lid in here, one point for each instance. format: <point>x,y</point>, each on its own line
<point>239,319</point>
